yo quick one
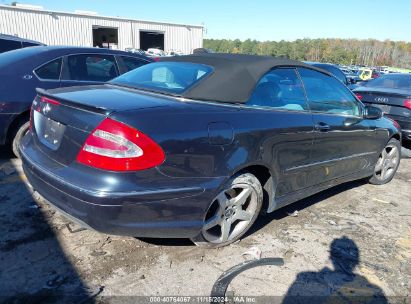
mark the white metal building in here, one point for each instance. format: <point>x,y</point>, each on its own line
<point>90,29</point>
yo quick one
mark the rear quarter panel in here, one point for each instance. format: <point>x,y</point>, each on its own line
<point>275,139</point>
<point>18,83</point>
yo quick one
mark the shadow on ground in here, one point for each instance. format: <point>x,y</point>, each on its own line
<point>338,285</point>
<point>302,204</point>
<point>33,266</point>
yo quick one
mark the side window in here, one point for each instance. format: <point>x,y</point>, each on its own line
<point>28,44</point>
<point>50,70</point>
<point>326,94</point>
<point>281,89</point>
<point>93,67</point>
<point>367,73</point>
<point>8,45</point>
<point>132,63</point>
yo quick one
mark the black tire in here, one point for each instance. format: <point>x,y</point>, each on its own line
<point>21,130</point>
<point>234,190</point>
<point>378,178</point>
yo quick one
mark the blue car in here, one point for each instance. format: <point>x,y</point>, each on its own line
<point>50,67</point>
<point>9,43</point>
<point>196,146</point>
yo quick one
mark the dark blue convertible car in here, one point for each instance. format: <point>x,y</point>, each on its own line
<point>196,146</point>
<point>49,67</point>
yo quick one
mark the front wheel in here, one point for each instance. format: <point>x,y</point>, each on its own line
<point>232,212</point>
<point>387,163</point>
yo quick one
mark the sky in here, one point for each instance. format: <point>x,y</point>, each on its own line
<point>261,19</point>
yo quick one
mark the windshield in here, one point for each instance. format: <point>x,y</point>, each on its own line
<point>391,82</point>
<point>164,77</point>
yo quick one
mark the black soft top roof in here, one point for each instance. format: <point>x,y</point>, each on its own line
<point>235,75</point>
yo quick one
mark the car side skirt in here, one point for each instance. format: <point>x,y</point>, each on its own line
<point>283,201</point>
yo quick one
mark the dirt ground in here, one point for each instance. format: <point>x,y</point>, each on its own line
<point>45,258</point>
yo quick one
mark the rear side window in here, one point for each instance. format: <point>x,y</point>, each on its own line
<point>51,70</point>
<point>280,89</point>
<point>326,94</point>
<point>167,77</point>
<point>28,44</point>
<point>132,63</point>
<point>93,67</point>
<point>9,45</point>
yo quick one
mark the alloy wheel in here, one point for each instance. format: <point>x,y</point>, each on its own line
<point>230,214</point>
<point>387,162</point>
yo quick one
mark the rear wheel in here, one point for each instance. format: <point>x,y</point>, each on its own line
<point>20,131</point>
<point>232,212</point>
<point>387,163</point>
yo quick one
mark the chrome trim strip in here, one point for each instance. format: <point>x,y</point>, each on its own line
<point>330,161</point>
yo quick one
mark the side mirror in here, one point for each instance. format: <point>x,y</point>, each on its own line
<point>371,112</point>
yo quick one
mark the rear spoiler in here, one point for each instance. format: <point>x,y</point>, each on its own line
<point>72,103</point>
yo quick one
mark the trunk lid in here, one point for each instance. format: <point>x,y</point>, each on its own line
<point>105,98</point>
<point>390,101</point>
<point>62,119</point>
<point>377,96</point>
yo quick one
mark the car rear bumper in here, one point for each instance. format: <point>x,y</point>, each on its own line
<point>405,124</point>
<point>165,213</point>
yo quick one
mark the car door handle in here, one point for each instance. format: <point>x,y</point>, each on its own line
<point>322,127</point>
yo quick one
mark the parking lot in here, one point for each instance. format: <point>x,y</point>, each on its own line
<point>45,255</point>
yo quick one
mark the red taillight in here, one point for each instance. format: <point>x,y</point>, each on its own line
<point>49,100</point>
<point>115,146</point>
<point>156,58</point>
<point>359,96</point>
<point>396,124</point>
<point>31,120</point>
<point>37,107</point>
<point>407,103</point>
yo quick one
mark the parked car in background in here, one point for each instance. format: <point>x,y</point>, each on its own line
<point>9,43</point>
<point>174,53</point>
<point>383,69</point>
<point>196,146</point>
<point>375,74</point>
<point>154,52</point>
<point>335,71</point>
<point>392,94</point>
<point>202,50</point>
<point>136,51</point>
<point>49,67</point>
<point>364,74</point>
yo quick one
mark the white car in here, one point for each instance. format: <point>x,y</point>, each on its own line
<point>155,52</point>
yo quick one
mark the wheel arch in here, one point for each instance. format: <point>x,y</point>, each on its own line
<point>396,136</point>
<point>24,116</point>
<point>267,179</point>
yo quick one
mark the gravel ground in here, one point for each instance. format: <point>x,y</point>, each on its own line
<point>46,258</point>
